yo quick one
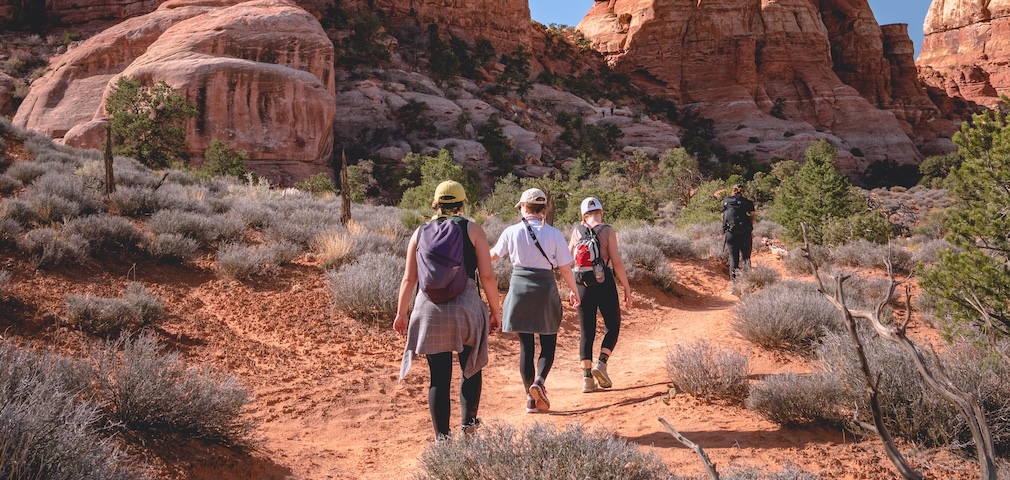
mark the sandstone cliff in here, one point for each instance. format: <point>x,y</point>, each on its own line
<point>733,59</point>
<point>259,72</point>
<point>966,49</point>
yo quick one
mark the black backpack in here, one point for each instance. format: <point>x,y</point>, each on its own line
<point>735,218</point>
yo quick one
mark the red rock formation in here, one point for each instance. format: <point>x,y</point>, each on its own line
<point>966,49</point>
<point>6,94</point>
<point>506,23</point>
<point>735,58</point>
<point>259,72</point>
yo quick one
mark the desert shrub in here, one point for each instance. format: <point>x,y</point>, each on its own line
<point>150,390</point>
<point>9,184</point>
<point>317,184</point>
<point>148,122</point>
<point>646,262</point>
<point>868,226</point>
<point>865,254</point>
<point>172,247</point>
<point>255,214</point>
<point>788,316</point>
<point>105,233</point>
<point>5,280</point>
<point>788,472</point>
<point>242,262</point>
<point>377,238</point>
<point>793,399</point>
<point>928,252</point>
<point>672,246</point>
<point>130,201</point>
<point>500,452</point>
<point>704,207</point>
<point>69,187</point>
<point>366,289</point>
<point>796,263</point>
<point>708,372</point>
<point>768,229</point>
<point>221,160</point>
<point>26,172</point>
<point>205,229</point>
<point>43,209</point>
<point>756,278</point>
<point>46,431</point>
<point>183,197</point>
<point>136,308</point>
<point>333,248</point>
<point>502,274</point>
<point>707,240</point>
<point>47,247</point>
<point>9,231</point>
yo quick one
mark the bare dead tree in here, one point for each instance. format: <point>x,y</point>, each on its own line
<point>110,179</point>
<point>693,446</point>
<point>345,190</point>
<point>935,379</point>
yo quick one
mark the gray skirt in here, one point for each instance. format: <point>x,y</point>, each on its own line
<point>532,304</point>
<point>447,327</point>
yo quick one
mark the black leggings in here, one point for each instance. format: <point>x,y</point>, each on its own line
<point>548,344</point>
<point>604,298</point>
<point>739,252</point>
<point>440,365</point>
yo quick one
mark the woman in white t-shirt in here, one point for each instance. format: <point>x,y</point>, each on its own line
<point>533,305</point>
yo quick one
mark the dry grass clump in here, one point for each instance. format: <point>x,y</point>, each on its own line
<point>788,316</point>
<point>135,309</point>
<point>501,452</point>
<point>366,289</point>
<point>708,372</point>
<point>133,201</point>
<point>334,248</point>
<point>48,247</point>
<point>172,247</point>
<point>152,391</point>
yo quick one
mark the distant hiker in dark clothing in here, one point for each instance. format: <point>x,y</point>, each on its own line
<point>445,322</point>
<point>737,228</point>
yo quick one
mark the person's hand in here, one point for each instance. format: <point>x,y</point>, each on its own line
<point>495,321</point>
<point>627,298</point>
<point>400,324</point>
<point>573,297</point>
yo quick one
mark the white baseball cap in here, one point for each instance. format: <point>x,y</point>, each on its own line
<point>533,196</point>
<point>590,204</point>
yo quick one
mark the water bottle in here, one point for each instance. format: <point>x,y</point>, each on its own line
<point>598,272</point>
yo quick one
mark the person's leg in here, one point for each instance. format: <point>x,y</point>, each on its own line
<point>469,390</point>
<point>746,244</point>
<point>610,309</point>
<point>526,349</point>
<point>734,255</point>
<point>440,366</point>
<point>548,345</point>
<point>587,336</point>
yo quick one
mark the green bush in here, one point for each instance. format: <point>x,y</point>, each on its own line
<point>870,226</point>
<point>318,184</point>
<point>501,452</point>
<point>708,372</point>
<point>431,171</point>
<point>221,160</point>
<point>148,122</point>
<point>790,316</point>
<point>135,309</point>
<point>367,288</point>
<point>153,392</point>
<point>704,207</point>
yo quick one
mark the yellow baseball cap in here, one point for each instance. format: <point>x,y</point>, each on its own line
<point>449,191</point>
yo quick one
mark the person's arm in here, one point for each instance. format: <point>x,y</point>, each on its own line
<point>407,285</point>
<point>488,282</point>
<point>615,259</point>
<point>576,236</point>
<point>565,261</point>
<point>499,247</point>
<point>566,274</point>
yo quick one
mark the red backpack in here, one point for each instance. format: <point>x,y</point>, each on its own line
<point>589,265</point>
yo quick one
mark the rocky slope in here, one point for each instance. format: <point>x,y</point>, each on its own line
<point>966,49</point>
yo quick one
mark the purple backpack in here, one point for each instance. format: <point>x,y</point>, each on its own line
<point>440,271</point>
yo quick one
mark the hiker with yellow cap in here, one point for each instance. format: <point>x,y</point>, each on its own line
<point>533,305</point>
<point>445,257</point>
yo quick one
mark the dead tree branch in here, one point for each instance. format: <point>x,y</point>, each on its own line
<point>938,381</point>
<point>693,446</point>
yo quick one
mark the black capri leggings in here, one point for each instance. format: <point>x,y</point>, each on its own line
<point>440,365</point>
<point>548,345</point>
<point>602,297</point>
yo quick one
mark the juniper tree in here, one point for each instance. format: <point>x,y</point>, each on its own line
<point>148,122</point>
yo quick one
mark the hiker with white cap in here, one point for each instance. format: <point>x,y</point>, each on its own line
<point>533,305</point>
<point>597,263</point>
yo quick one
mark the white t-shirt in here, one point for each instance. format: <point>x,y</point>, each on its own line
<point>515,243</point>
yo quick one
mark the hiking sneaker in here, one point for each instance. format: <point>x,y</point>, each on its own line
<point>588,384</point>
<point>539,393</point>
<point>600,372</point>
<point>531,405</point>
<point>470,429</point>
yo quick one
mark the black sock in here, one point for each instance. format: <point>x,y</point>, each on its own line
<point>587,373</point>
<point>604,357</point>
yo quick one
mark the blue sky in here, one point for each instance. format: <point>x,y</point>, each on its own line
<point>912,12</point>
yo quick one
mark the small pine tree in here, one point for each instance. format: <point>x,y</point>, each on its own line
<point>435,170</point>
<point>148,122</point>
<point>492,136</point>
<point>816,194</point>
<point>221,160</point>
<point>972,286</point>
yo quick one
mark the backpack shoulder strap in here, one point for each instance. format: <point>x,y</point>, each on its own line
<point>529,228</point>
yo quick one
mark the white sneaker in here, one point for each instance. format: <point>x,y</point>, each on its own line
<point>588,384</point>
<point>600,372</point>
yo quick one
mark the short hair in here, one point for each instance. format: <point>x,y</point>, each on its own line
<point>738,189</point>
<point>445,208</point>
